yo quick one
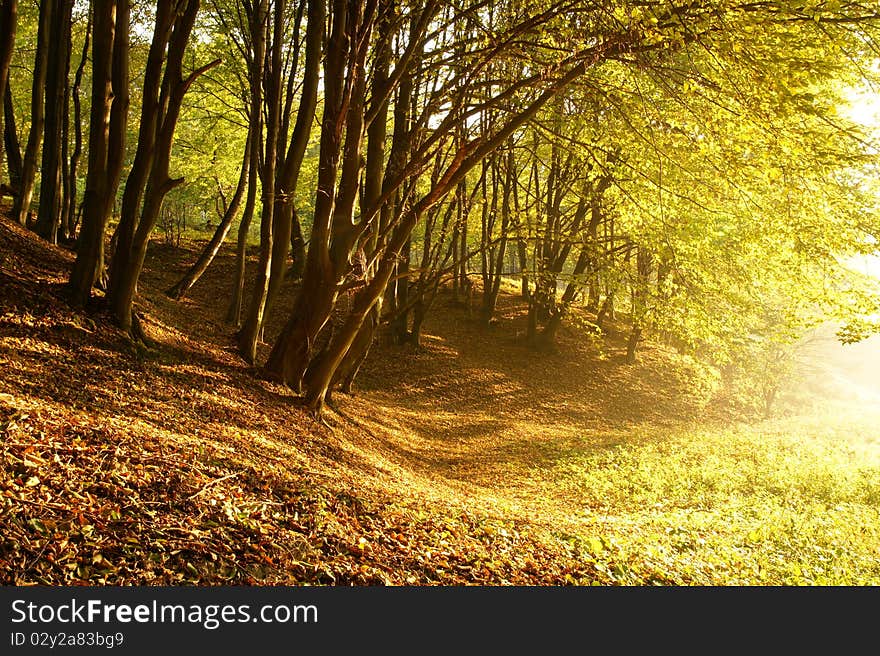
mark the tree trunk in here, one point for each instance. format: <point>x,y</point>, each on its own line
<point>606,311</point>
<point>640,308</point>
<point>8,24</point>
<point>10,141</point>
<point>521,251</point>
<point>287,230</point>
<point>493,267</point>
<point>632,343</point>
<point>333,230</point>
<point>402,142</point>
<point>297,248</point>
<point>57,62</point>
<point>77,135</point>
<point>149,178</point>
<point>22,206</point>
<point>488,217</point>
<point>400,325</point>
<point>251,330</point>
<point>108,126</point>
<point>256,40</point>
<point>66,192</point>
<point>233,314</point>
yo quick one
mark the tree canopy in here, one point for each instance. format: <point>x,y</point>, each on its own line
<point>689,164</point>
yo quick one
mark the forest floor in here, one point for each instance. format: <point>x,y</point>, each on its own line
<point>468,460</point>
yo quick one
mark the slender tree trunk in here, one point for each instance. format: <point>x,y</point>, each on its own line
<point>493,266</point>
<point>420,311</point>
<point>8,24</point>
<point>108,126</point>
<point>333,232</point>
<point>10,141</point>
<point>66,192</point>
<point>256,41</point>
<point>286,231</point>
<point>57,63</point>
<point>525,292</point>
<point>631,344</point>
<point>297,248</point>
<point>22,206</point>
<point>253,323</point>
<point>400,325</point>
<point>287,227</point>
<point>233,314</point>
<point>161,114</point>
<point>606,311</point>
<point>401,149</point>
<point>462,259</point>
<point>640,310</point>
<point>521,247</point>
<point>73,167</point>
<point>487,224</point>
<point>593,294</point>
<point>456,292</point>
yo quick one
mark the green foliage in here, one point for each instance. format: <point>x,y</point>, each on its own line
<point>794,502</point>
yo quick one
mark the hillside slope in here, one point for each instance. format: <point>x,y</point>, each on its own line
<point>177,464</point>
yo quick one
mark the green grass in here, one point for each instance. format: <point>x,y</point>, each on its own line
<point>793,501</point>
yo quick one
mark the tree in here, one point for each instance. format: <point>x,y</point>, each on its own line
<point>8,24</point>
<point>57,69</point>
<point>276,239</point>
<point>641,37</point>
<point>108,123</point>
<point>149,180</point>
<point>69,220</point>
<point>22,206</point>
<point>333,229</point>
<point>10,142</point>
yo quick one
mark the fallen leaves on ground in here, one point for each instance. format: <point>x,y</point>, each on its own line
<point>176,465</point>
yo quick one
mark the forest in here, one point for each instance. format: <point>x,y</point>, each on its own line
<point>440,292</point>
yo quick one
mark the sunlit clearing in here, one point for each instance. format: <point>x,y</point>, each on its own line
<point>830,377</point>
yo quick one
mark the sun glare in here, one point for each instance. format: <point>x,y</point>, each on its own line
<point>864,100</point>
<point>864,108</point>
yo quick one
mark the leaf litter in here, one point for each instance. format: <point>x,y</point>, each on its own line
<point>175,465</point>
